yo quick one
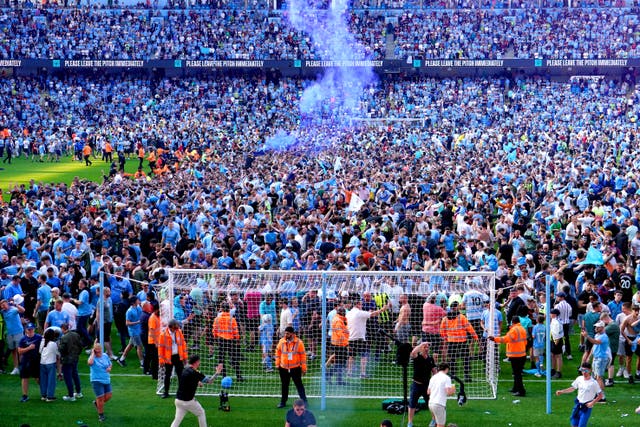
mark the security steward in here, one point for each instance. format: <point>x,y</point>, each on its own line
<point>516,340</point>
<point>340,343</point>
<point>172,353</point>
<point>291,361</point>
<point>226,332</point>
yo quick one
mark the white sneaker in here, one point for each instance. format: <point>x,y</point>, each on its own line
<point>569,357</point>
<point>506,359</point>
<point>78,395</point>
<point>620,371</point>
<point>114,357</point>
<point>15,371</point>
<point>68,398</point>
<point>625,373</point>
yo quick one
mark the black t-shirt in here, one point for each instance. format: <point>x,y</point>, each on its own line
<point>304,420</point>
<point>422,368</point>
<point>188,384</point>
<point>625,284</point>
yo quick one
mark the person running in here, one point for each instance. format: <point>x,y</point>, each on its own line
<point>189,381</point>
<point>589,393</point>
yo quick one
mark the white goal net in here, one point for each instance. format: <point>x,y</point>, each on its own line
<point>370,372</point>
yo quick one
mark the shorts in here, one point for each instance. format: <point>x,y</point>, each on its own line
<point>434,340</point>
<point>556,348</point>
<point>621,350</point>
<point>13,340</point>
<point>588,345</point>
<point>100,389</point>
<point>600,365</point>
<point>439,413</point>
<point>417,391</point>
<point>627,347</point>
<point>358,348</point>
<point>30,369</point>
<point>538,352</point>
<point>136,341</point>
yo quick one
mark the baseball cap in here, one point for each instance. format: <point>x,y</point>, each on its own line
<point>561,294</point>
<point>599,324</point>
<point>555,311</point>
<point>30,326</point>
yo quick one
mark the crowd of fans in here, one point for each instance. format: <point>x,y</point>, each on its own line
<point>576,33</point>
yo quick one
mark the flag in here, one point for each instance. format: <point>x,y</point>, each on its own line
<point>355,204</point>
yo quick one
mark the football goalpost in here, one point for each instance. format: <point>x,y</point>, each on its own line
<point>312,296</point>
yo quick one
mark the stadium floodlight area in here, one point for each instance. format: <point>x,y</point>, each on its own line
<point>204,291</point>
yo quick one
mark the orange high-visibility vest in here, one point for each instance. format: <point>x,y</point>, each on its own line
<point>291,354</point>
<point>339,331</point>
<point>457,329</point>
<point>165,344</point>
<point>154,329</point>
<point>516,340</point>
<point>226,327</point>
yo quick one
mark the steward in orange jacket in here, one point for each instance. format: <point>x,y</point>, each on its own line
<point>172,352</point>
<point>225,330</point>
<point>340,342</point>
<point>291,361</point>
<point>151,349</point>
<point>516,340</point>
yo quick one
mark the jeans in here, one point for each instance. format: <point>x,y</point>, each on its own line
<point>48,380</point>
<point>71,378</point>
<point>81,328</point>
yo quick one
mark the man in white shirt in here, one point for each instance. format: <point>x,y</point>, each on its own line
<point>70,309</point>
<point>557,336</point>
<point>286,318</point>
<point>357,325</point>
<point>589,393</point>
<point>439,389</point>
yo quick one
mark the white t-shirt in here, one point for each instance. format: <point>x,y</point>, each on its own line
<point>438,385</point>
<point>587,389</point>
<point>72,311</point>
<point>286,319</point>
<point>357,323</point>
<point>48,354</point>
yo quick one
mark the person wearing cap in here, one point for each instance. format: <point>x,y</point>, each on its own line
<point>557,336</point>
<point>29,358</point>
<point>516,340</point>
<point>600,352</point>
<point>227,333</point>
<point>588,324</point>
<point>291,362</point>
<point>133,319</point>
<point>589,393</point>
<point>11,314</point>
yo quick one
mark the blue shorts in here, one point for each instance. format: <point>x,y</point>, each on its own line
<point>100,389</point>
